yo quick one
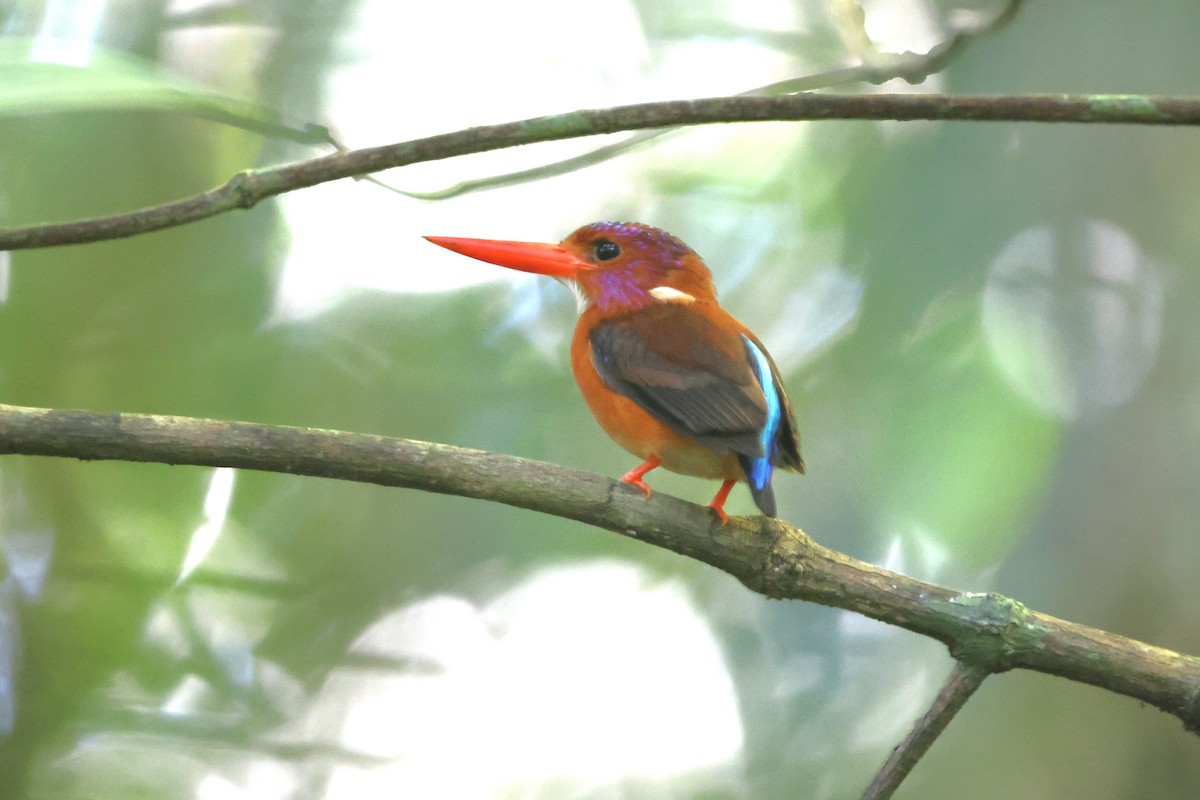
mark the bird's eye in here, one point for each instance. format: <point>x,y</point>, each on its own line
<point>605,250</point>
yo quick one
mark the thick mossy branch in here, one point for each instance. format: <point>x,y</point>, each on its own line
<point>249,188</point>
<point>985,631</point>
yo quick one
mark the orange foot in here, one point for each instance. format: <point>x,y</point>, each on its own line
<point>718,502</point>
<point>634,476</point>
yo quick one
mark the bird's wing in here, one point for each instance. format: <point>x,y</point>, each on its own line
<point>693,375</point>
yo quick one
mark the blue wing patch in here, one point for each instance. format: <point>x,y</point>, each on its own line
<point>762,467</point>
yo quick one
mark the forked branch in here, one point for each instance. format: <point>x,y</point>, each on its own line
<point>987,632</point>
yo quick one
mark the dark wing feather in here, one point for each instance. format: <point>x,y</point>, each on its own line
<point>687,373</point>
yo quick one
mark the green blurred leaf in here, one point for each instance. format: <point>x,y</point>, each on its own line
<point>115,81</point>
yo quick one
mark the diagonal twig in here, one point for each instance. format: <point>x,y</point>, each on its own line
<point>958,689</point>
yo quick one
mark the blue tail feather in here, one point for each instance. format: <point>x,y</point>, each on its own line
<point>758,475</point>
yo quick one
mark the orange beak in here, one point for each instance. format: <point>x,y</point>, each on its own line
<point>544,259</point>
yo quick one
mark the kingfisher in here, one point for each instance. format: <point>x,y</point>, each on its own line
<point>670,375</point>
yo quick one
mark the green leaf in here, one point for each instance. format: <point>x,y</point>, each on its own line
<point>115,81</point>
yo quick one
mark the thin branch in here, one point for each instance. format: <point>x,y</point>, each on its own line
<point>962,683</point>
<point>913,68</point>
<point>988,631</point>
<point>591,158</point>
<point>251,187</point>
<point>804,83</point>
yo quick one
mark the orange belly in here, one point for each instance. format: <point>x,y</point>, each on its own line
<point>639,432</point>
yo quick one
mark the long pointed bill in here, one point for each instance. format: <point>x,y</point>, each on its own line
<point>544,259</point>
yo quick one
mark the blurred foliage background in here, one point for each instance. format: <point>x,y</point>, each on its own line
<point>989,331</point>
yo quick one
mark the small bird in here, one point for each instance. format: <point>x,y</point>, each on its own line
<point>668,373</point>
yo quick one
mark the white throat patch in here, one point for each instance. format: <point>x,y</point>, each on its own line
<point>666,294</point>
<point>581,301</point>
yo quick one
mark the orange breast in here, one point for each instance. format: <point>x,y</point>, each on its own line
<point>637,430</point>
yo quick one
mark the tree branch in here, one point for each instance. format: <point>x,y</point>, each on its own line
<point>962,683</point>
<point>877,67</point>
<point>985,631</point>
<point>251,187</point>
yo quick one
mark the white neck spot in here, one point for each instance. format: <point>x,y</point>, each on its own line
<point>666,294</point>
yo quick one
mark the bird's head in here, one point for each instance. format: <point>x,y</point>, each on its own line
<point>616,266</point>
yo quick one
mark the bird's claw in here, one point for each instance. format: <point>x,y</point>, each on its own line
<point>634,480</point>
<point>719,511</point>
<point>634,476</point>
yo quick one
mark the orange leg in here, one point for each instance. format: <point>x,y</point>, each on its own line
<point>634,476</point>
<point>718,502</point>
